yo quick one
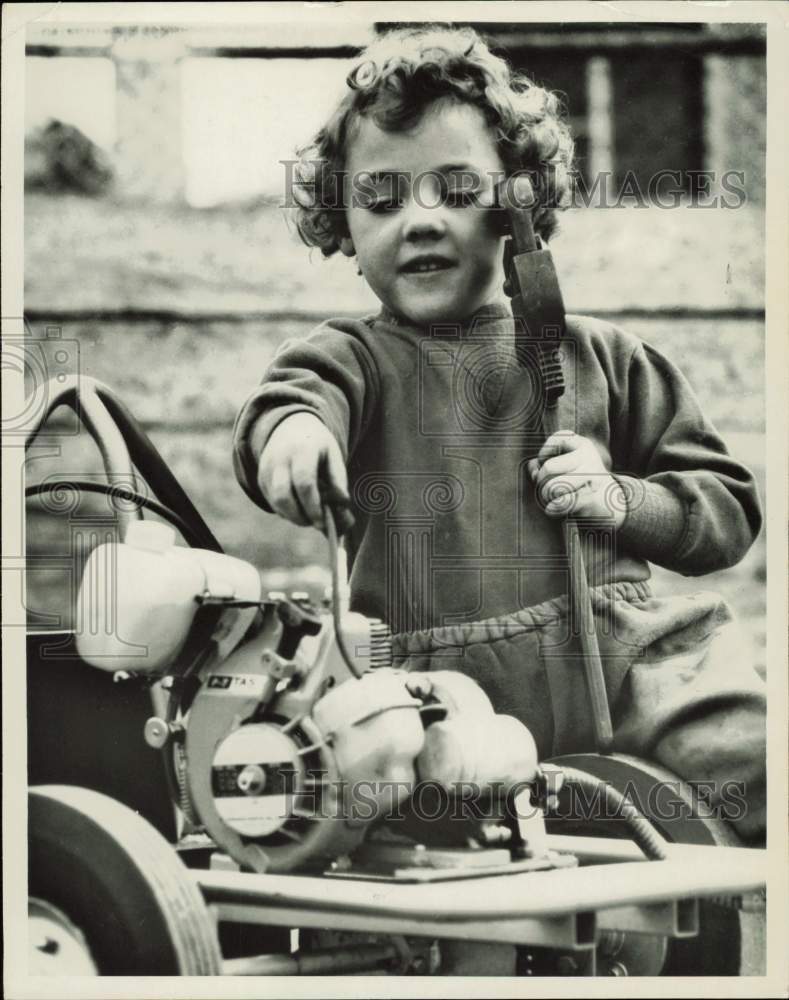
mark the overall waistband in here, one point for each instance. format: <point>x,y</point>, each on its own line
<point>534,617</point>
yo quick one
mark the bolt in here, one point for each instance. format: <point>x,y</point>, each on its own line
<point>48,945</point>
<point>252,779</point>
<point>156,733</point>
<point>617,969</point>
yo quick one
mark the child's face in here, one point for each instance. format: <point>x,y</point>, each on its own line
<point>430,256</point>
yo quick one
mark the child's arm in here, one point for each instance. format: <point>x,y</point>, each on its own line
<point>300,467</point>
<point>668,457</point>
<point>302,422</point>
<point>681,500</point>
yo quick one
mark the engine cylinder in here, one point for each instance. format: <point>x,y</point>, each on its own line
<point>374,725</point>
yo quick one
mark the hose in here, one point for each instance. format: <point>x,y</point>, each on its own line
<point>642,831</point>
<point>155,470</point>
<point>331,534</point>
<point>122,441</point>
<point>119,493</point>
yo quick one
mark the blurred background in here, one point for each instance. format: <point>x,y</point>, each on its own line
<point>159,255</point>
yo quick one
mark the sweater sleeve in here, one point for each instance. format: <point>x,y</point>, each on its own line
<point>330,374</point>
<point>690,506</point>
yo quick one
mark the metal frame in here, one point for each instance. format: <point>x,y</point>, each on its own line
<point>560,908</point>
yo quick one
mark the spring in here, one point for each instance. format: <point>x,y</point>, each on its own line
<point>380,644</point>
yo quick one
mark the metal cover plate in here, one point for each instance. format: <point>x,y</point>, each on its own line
<point>424,873</point>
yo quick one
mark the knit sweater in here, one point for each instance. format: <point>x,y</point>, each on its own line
<point>437,426</point>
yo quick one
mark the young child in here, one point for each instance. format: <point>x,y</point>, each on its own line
<point>422,423</point>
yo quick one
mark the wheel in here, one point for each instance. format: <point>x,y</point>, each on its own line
<point>729,942</point>
<point>108,894</point>
<point>57,946</point>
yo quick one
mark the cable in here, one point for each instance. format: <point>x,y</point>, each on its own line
<point>155,470</point>
<point>643,833</point>
<point>331,534</point>
<point>121,493</point>
<point>122,441</point>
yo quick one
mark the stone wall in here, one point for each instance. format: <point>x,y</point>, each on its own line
<point>180,310</point>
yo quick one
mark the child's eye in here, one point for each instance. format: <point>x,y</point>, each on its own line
<point>384,205</point>
<point>460,197</point>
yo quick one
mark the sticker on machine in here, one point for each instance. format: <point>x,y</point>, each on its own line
<point>254,775</point>
<point>236,684</point>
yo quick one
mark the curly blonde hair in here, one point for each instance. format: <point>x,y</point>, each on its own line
<point>393,83</point>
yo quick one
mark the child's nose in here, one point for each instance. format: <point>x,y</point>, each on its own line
<point>424,215</point>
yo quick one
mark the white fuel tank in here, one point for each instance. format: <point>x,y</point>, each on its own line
<point>138,598</point>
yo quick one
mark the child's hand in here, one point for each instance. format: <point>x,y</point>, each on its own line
<point>300,467</point>
<point>571,480</point>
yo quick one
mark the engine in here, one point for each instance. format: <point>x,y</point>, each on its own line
<point>289,736</point>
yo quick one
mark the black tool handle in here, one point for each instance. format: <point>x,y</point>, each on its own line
<point>517,198</point>
<point>537,301</point>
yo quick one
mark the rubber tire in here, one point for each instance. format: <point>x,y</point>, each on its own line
<point>121,884</point>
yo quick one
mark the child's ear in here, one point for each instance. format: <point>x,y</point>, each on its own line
<point>346,247</point>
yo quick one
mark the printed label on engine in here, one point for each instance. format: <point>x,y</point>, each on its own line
<point>237,684</point>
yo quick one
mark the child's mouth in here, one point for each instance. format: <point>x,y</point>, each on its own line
<point>426,265</point>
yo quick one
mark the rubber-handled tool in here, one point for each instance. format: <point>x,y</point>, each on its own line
<point>537,304</point>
